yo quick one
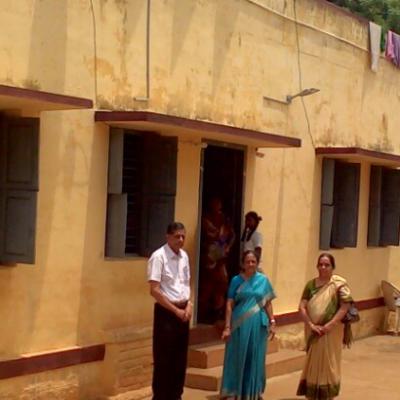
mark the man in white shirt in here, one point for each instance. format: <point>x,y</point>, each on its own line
<point>169,279</point>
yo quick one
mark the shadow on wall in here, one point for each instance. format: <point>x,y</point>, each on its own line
<point>313,237</point>
<point>119,72</point>
<point>47,56</point>
<point>183,13</point>
<point>47,60</point>
<point>225,20</point>
<point>278,221</point>
<point>23,287</point>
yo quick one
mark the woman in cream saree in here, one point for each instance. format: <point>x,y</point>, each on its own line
<point>324,303</point>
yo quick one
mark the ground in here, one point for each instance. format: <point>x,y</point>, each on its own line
<point>370,371</point>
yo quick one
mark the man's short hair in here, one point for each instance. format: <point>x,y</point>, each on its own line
<point>174,226</point>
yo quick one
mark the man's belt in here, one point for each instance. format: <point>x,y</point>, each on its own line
<point>180,304</point>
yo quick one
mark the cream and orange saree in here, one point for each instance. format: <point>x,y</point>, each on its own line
<point>320,379</point>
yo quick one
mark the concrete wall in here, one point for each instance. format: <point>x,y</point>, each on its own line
<point>209,60</point>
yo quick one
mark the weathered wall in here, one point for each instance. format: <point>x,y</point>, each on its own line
<point>47,45</point>
<point>70,383</point>
<point>210,60</point>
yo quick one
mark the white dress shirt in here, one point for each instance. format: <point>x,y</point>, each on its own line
<point>172,271</point>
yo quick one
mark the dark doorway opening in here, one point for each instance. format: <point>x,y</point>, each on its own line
<point>221,216</point>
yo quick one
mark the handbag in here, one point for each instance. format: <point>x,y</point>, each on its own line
<point>352,315</point>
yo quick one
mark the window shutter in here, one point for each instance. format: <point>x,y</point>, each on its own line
<point>160,165</point>
<point>345,216</point>
<point>158,213</point>
<point>390,221</point>
<point>19,153</point>
<point>116,200</point>
<point>18,230</point>
<point>159,189</point>
<point>374,212</point>
<point>19,179</point>
<point>327,205</point>
<point>115,161</point>
<point>117,207</point>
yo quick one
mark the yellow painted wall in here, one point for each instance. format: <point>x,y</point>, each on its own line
<point>47,45</point>
<point>210,60</point>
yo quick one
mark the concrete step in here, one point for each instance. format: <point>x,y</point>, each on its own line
<point>202,333</point>
<point>278,363</point>
<point>209,355</point>
<point>144,393</point>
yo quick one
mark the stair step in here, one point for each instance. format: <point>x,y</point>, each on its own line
<point>284,362</point>
<point>206,356</point>
<point>211,355</point>
<point>202,333</point>
<point>204,379</point>
<point>138,394</point>
<point>277,363</point>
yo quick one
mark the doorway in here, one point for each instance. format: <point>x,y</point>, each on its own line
<point>220,223</point>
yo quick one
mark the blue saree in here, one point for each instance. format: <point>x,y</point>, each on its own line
<point>244,364</point>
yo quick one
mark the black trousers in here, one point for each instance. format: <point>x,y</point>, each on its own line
<point>170,345</point>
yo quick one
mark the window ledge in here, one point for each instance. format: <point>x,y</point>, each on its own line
<point>126,258</point>
<point>171,124</point>
<point>28,100</point>
<point>360,154</point>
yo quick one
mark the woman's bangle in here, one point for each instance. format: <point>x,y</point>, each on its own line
<point>272,321</point>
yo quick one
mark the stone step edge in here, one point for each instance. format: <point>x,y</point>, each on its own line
<point>137,394</point>
<point>199,355</point>
<point>218,344</point>
<point>212,376</point>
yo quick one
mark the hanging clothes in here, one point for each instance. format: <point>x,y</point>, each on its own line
<point>375,32</point>
<point>393,48</point>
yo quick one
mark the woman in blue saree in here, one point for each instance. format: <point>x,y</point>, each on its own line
<point>249,321</point>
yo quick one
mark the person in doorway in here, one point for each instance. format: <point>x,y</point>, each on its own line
<point>323,305</point>
<point>217,240</point>
<point>169,279</point>
<point>249,320</point>
<point>252,239</point>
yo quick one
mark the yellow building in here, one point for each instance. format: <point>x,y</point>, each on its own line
<point>118,116</point>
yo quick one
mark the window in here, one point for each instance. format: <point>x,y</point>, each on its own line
<point>384,207</point>
<point>339,204</point>
<point>141,191</point>
<point>19,154</point>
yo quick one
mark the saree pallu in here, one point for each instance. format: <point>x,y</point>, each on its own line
<point>244,364</point>
<point>320,379</point>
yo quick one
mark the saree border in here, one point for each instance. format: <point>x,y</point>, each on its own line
<point>253,310</point>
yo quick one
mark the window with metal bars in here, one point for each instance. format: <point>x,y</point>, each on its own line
<point>339,204</point>
<point>384,207</point>
<point>19,185</point>
<point>141,191</point>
